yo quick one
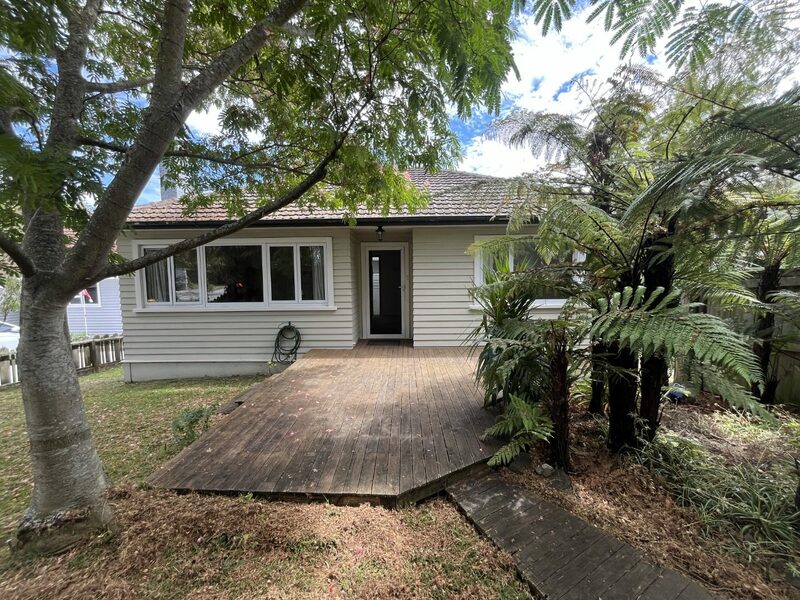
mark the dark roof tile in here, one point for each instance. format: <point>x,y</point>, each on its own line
<point>453,195</point>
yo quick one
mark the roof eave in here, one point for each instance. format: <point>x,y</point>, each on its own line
<point>386,221</point>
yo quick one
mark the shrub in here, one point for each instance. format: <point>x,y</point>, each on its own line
<point>190,423</point>
<point>749,509</point>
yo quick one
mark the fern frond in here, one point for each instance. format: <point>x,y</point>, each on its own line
<point>719,383</point>
<point>660,326</point>
<point>553,136</point>
<point>525,423</point>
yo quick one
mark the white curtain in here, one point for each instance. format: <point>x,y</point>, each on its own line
<point>157,281</point>
<point>318,272</point>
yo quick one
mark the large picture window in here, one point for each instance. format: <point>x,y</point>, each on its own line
<point>520,255</point>
<point>271,274</point>
<point>234,274</point>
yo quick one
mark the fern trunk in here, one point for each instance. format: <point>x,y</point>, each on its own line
<point>659,272</point>
<point>622,389</point>
<point>559,400</point>
<point>598,379</point>
<point>769,282</point>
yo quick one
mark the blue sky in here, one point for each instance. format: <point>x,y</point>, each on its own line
<point>548,69</point>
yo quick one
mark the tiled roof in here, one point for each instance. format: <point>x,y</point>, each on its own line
<point>454,196</point>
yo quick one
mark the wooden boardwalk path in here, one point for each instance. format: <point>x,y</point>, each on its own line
<point>379,423</point>
<point>560,555</point>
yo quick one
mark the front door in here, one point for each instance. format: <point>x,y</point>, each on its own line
<point>384,291</point>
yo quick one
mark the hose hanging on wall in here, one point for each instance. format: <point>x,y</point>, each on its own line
<point>287,342</point>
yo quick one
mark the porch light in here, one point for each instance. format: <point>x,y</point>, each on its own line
<point>379,233</point>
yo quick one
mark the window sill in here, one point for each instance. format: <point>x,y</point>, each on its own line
<point>540,305</point>
<point>216,309</point>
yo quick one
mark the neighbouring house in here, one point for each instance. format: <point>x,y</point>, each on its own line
<point>94,311</point>
<point>216,310</point>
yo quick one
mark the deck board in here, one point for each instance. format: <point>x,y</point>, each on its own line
<point>560,555</point>
<point>375,423</point>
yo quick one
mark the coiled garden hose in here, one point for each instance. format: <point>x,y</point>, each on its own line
<point>287,342</point>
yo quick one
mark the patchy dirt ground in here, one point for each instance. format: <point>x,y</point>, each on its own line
<point>172,546</point>
<point>623,498</point>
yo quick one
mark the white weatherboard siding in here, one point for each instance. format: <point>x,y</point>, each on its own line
<point>443,273</point>
<point>355,277</point>
<point>162,344</point>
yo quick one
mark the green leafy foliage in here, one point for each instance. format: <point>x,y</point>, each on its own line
<point>385,75</point>
<point>750,510</point>
<point>191,423</point>
<point>654,324</point>
<point>10,288</point>
<point>525,425</point>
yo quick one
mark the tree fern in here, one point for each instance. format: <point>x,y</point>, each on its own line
<point>702,375</point>
<point>524,423</point>
<point>655,324</point>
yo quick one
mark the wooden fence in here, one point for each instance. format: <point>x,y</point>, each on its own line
<point>89,355</point>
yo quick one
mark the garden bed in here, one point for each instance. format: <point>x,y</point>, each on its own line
<point>621,495</point>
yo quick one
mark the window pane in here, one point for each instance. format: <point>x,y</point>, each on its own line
<point>527,258</point>
<point>156,279</point>
<point>312,272</point>
<point>494,260</point>
<point>234,274</point>
<point>281,271</point>
<point>186,286</point>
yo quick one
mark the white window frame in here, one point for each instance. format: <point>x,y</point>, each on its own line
<point>267,305</point>
<point>479,276</point>
<point>298,292</point>
<point>83,302</point>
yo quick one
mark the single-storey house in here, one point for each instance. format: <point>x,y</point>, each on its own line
<point>216,310</point>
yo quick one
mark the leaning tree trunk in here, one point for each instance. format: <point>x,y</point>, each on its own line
<point>659,271</point>
<point>68,479</point>
<point>769,282</point>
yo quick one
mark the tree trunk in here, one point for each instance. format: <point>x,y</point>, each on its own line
<point>658,272</point>
<point>559,401</point>
<point>621,398</point>
<point>769,282</point>
<point>68,479</point>
<point>596,402</point>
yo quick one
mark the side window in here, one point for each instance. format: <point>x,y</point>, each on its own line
<point>88,296</point>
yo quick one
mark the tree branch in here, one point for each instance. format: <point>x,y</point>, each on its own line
<point>235,161</point>
<point>17,254</point>
<point>317,175</point>
<point>171,104</point>
<point>113,87</point>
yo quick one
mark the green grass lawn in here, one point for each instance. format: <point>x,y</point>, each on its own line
<point>132,425</point>
<point>204,546</point>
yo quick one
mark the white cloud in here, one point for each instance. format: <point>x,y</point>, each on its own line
<point>491,157</point>
<point>205,122</point>
<point>546,65</point>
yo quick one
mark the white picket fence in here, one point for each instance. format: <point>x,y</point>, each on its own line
<point>89,355</point>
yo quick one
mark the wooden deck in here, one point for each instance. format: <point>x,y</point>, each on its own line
<point>560,555</point>
<point>380,423</point>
